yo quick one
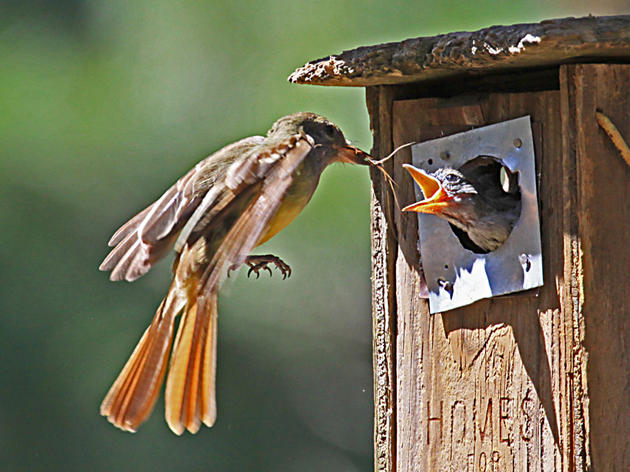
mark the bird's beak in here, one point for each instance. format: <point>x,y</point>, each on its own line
<point>436,198</point>
<point>352,155</point>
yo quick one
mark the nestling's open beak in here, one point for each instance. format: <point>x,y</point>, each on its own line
<point>436,198</point>
<point>352,155</point>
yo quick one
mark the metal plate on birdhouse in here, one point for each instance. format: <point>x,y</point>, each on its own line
<point>457,276</point>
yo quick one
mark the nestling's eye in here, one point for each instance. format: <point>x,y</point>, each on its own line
<point>452,178</point>
<point>329,130</point>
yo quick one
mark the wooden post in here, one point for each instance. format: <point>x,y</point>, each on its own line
<point>538,380</point>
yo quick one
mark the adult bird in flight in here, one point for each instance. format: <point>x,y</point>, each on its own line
<point>213,217</point>
<point>480,208</point>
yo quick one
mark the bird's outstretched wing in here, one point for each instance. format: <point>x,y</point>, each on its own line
<point>273,172</point>
<point>148,236</point>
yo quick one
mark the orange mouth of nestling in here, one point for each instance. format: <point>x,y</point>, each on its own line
<point>436,198</point>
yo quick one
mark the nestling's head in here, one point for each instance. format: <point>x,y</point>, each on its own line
<point>326,135</point>
<point>472,201</point>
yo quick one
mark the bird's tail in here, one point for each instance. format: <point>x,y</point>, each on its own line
<point>190,389</point>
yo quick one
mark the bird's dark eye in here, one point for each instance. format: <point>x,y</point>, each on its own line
<point>330,130</point>
<point>452,178</point>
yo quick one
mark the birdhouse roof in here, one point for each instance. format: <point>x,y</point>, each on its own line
<point>489,50</point>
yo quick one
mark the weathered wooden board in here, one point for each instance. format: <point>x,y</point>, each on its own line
<point>383,306</point>
<point>601,246</point>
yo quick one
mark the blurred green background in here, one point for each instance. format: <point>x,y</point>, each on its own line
<point>103,104</point>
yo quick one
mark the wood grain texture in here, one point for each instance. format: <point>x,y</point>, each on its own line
<point>379,102</point>
<point>497,48</point>
<point>601,223</point>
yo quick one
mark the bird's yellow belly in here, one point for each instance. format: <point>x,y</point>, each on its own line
<point>288,210</point>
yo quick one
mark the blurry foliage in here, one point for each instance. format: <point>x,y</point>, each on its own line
<point>103,104</point>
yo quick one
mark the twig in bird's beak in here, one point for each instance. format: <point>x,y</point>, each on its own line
<point>390,181</point>
<point>391,154</point>
<point>615,136</point>
<point>379,165</point>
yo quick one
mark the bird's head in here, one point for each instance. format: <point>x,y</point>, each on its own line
<point>327,137</point>
<point>446,192</point>
<point>472,201</point>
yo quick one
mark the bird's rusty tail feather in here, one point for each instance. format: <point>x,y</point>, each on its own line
<point>190,387</point>
<point>190,397</point>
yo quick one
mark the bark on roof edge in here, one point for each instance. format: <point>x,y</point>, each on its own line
<point>492,49</point>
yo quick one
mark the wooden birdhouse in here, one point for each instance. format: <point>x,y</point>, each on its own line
<point>536,378</point>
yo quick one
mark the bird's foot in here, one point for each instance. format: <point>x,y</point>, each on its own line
<point>258,263</point>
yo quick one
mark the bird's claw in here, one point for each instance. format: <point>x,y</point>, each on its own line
<point>231,268</point>
<point>257,268</point>
<point>258,263</point>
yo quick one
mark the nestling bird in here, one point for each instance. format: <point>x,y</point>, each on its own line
<point>481,212</point>
<point>213,216</point>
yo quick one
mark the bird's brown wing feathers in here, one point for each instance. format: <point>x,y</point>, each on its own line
<point>148,236</point>
<point>129,227</point>
<point>251,224</point>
